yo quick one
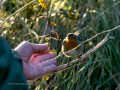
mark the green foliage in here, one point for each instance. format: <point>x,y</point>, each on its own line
<point>100,71</point>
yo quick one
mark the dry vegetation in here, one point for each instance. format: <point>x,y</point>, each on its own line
<point>100,70</point>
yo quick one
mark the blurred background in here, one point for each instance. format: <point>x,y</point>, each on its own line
<point>57,18</point>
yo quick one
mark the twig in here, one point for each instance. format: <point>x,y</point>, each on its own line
<point>15,13</point>
<point>44,36</point>
<point>82,57</point>
<point>39,37</point>
<point>48,23</point>
<point>79,31</point>
<point>2,2</point>
<point>117,27</point>
<point>48,16</point>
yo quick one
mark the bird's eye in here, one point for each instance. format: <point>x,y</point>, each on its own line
<point>70,37</point>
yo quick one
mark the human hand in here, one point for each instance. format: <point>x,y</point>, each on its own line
<point>35,59</point>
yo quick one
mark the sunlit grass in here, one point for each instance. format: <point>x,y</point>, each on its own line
<point>101,69</point>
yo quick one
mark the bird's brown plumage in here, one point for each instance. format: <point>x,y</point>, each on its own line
<point>71,43</point>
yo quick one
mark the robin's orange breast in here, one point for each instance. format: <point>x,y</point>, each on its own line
<point>71,44</point>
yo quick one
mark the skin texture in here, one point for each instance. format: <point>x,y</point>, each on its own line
<point>36,58</point>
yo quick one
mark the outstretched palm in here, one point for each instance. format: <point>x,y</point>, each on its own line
<point>37,59</point>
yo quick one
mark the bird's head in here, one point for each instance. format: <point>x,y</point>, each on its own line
<point>71,37</point>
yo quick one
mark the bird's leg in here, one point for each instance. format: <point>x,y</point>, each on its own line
<point>78,57</point>
<point>79,61</point>
<point>68,61</point>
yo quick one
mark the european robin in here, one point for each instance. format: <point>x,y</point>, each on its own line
<point>72,46</point>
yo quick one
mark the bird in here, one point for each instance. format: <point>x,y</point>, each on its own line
<point>72,46</point>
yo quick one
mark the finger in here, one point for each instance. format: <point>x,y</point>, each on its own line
<point>49,62</point>
<point>45,57</point>
<point>48,69</point>
<point>39,48</point>
<point>47,51</point>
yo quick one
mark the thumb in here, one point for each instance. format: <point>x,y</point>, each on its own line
<point>39,48</point>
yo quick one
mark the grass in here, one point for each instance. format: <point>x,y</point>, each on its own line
<point>100,70</point>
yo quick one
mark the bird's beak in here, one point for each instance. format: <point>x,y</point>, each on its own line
<point>67,39</point>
